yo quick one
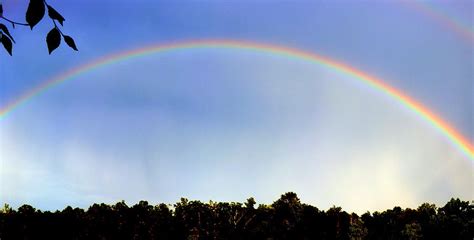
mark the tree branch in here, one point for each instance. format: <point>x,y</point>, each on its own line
<point>13,22</point>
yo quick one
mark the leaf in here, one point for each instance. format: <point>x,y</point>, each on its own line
<point>70,42</point>
<point>35,12</point>
<point>55,15</point>
<point>7,44</point>
<point>5,30</point>
<point>53,39</point>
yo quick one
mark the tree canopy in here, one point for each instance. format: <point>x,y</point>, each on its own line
<point>286,218</point>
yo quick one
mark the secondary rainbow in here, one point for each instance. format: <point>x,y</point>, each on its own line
<point>446,21</point>
<point>423,112</point>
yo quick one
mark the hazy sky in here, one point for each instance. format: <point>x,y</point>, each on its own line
<point>227,124</point>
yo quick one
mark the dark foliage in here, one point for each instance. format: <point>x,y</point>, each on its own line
<point>34,14</point>
<point>286,218</point>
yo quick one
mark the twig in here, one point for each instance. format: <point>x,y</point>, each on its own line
<point>13,22</point>
<point>56,26</point>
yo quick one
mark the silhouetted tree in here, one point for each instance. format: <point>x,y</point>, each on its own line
<point>456,220</point>
<point>287,215</point>
<point>357,230</point>
<point>412,231</point>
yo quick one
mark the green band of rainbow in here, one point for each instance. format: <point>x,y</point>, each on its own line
<point>449,132</point>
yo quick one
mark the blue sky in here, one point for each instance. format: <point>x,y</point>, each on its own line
<point>229,124</point>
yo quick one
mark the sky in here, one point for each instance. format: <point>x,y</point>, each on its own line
<point>226,124</point>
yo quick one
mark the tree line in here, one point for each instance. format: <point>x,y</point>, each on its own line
<point>286,218</point>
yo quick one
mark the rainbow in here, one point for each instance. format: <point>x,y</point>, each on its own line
<point>423,112</point>
<point>448,22</point>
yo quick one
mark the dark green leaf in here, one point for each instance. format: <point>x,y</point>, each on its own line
<point>4,29</point>
<point>70,42</point>
<point>35,12</point>
<point>7,44</point>
<point>53,39</point>
<point>55,15</point>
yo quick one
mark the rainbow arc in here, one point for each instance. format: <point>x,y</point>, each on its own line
<point>454,137</point>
